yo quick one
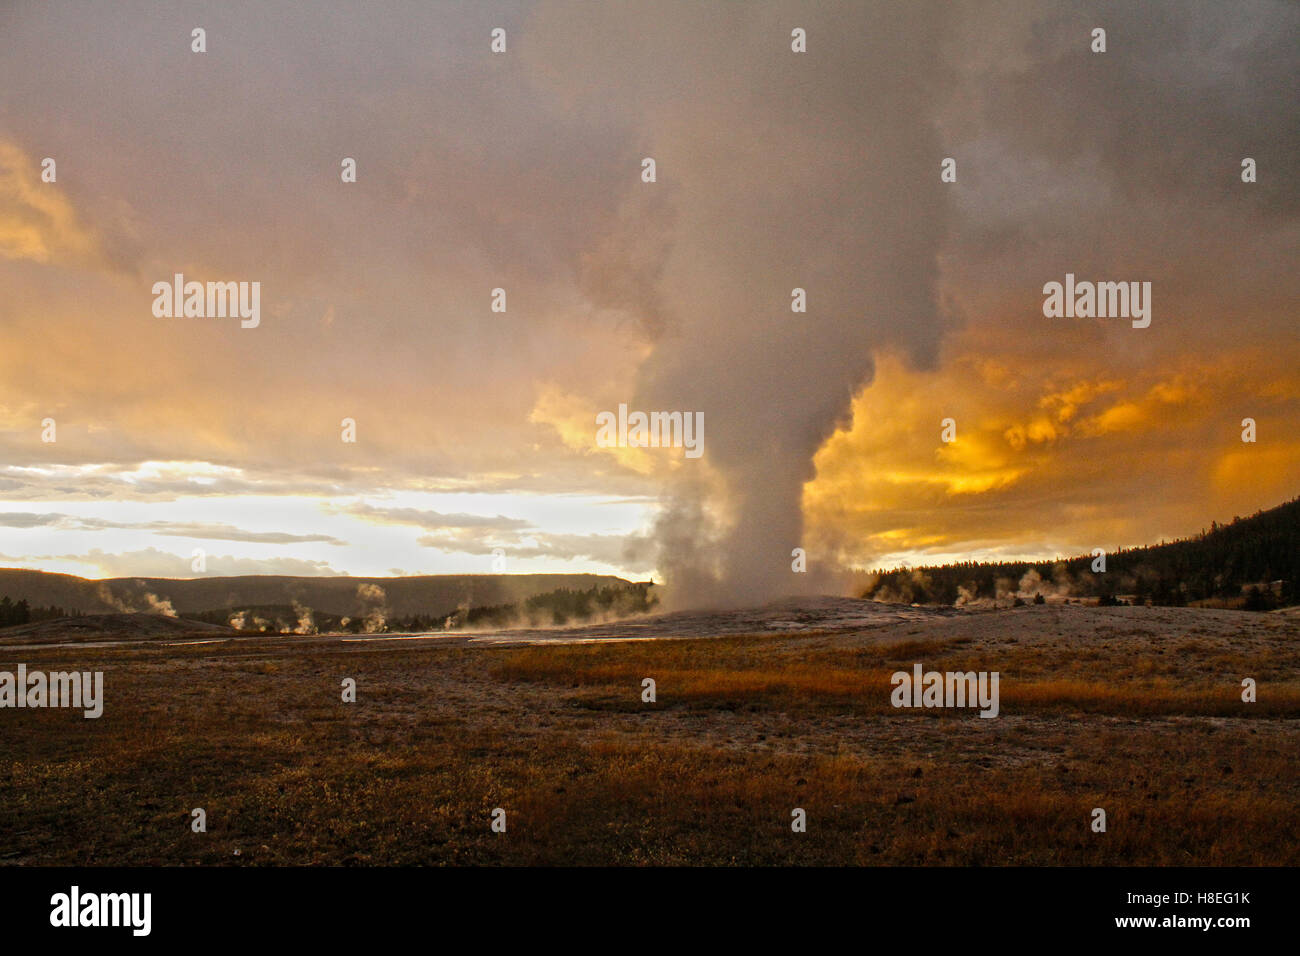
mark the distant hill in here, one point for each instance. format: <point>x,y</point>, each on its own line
<point>100,627</point>
<point>336,596</point>
<point>550,608</point>
<point>1252,562</point>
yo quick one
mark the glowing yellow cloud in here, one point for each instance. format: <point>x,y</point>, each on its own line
<point>37,222</point>
<point>574,419</point>
<point>1048,459</point>
<point>1269,467</point>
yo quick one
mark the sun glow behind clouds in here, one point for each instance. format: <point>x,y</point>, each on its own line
<point>1016,484</point>
<point>198,472</point>
<point>1071,435</point>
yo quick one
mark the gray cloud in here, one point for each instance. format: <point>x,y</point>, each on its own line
<point>225,532</point>
<point>633,553</point>
<point>433,520</point>
<point>19,519</point>
<point>182,529</point>
<point>151,562</point>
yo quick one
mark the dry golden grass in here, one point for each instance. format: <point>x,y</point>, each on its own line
<point>726,671</point>
<point>745,730</point>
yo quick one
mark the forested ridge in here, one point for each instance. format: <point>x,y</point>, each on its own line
<point>1251,562</point>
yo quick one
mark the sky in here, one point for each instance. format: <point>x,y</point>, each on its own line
<point>523,170</point>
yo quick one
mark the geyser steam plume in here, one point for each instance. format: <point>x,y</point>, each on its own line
<point>819,172</point>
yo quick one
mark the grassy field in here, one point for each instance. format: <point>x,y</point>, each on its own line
<point>1135,710</point>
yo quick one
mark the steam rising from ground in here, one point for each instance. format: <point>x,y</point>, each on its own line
<point>146,603</point>
<point>812,172</point>
<point>374,603</point>
<point>306,623</point>
<point>918,586</point>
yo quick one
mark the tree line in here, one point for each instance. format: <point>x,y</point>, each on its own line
<point>554,608</point>
<point>1251,562</point>
<point>21,612</point>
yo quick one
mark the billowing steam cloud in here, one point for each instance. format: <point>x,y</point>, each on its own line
<point>306,620</point>
<point>820,173</point>
<point>375,607</point>
<point>146,603</point>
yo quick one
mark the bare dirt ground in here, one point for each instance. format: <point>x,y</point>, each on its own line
<point>1134,710</point>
